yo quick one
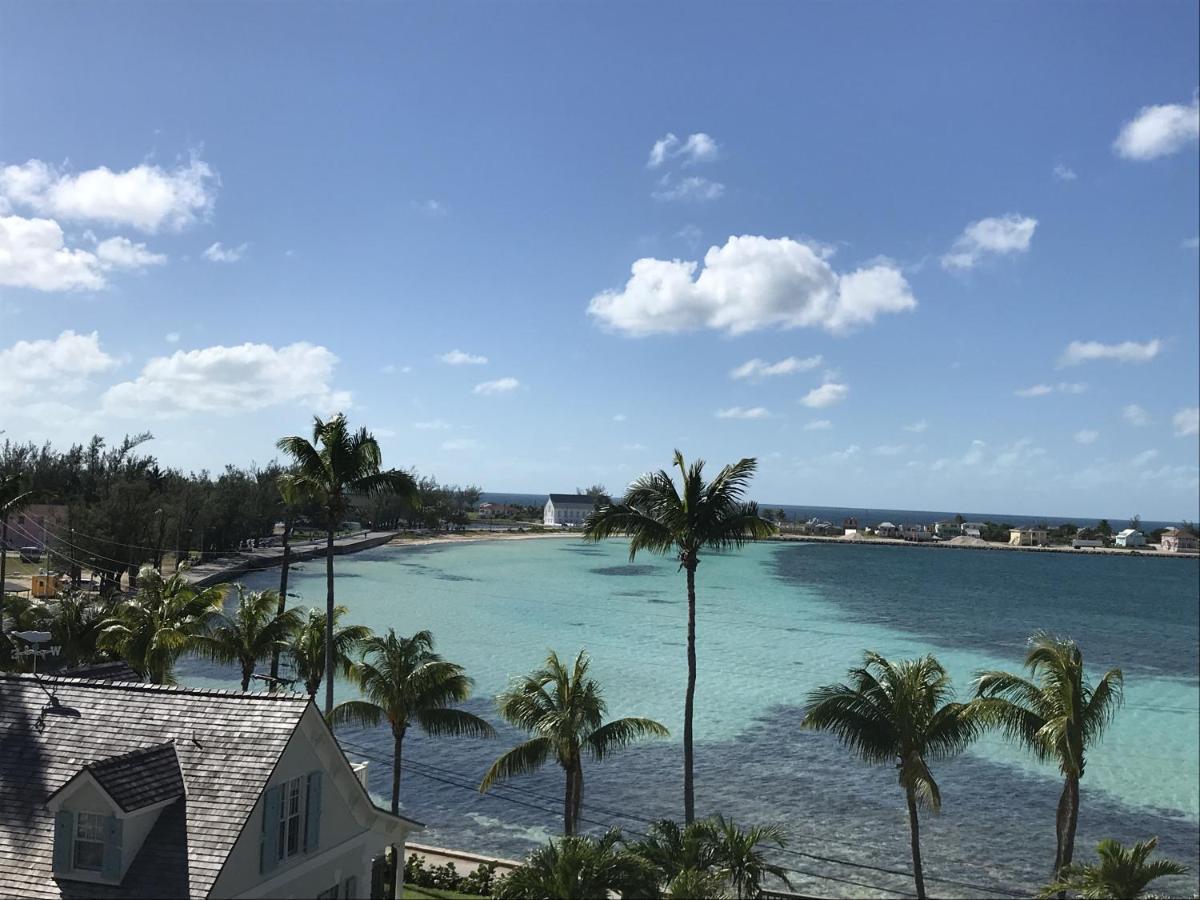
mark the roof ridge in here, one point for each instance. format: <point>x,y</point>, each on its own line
<point>281,696</point>
<point>136,752</point>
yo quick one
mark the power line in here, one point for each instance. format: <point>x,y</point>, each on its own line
<point>454,779</point>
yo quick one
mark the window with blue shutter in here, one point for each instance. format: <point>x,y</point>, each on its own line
<point>272,804</point>
<point>64,838</point>
<point>114,830</point>
<point>312,809</point>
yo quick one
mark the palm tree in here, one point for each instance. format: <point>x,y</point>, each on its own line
<point>292,493</point>
<point>692,883</point>
<point>658,517</point>
<point>564,710</point>
<point>1056,714</point>
<point>580,868</point>
<point>252,633</point>
<point>673,849</point>
<point>1121,872</point>
<point>738,857</point>
<point>405,683</point>
<point>12,501</point>
<point>348,462</point>
<point>897,713</point>
<point>76,626</point>
<point>306,647</point>
<point>158,624</point>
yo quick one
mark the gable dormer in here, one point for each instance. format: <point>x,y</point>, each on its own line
<point>103,814</point>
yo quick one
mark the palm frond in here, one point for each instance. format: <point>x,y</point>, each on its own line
<point>356,712</point>
<point>521,760</point>
<point>453,722</point>
<point>621,733</point>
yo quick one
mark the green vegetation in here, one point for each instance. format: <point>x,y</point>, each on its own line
<point>255,631</point>
<point>658,518</point>
<point>897,714</point>
<point>405,683</point>
<point>444,880</point>
<point>1120,873</point>
<point>306,648</point>
<point>564,710</point>
<point>580,868</point>
<point>1056,714</point>
<point>335,465</point>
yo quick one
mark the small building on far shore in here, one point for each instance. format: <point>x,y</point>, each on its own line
<point>1131,537</point>
<point>1083,543</point>
<point>1028,537</point>
<point>886,529</point>
<point>1176,540</point>
<point>567,509</point>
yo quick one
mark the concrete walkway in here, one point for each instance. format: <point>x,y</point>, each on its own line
<point>464,863</point>
<point>226,568</point>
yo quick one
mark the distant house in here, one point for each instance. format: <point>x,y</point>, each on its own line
<point>115,789</point>
<point>1176,540</point>
<point>1028,537</point>
<point>973,529</point>
<point>916,532</point>
<point>886,529</point>
<point>495,510</point>
<point>37,526</point>
<point>947,529</point>
<point>567,509</point>
<point>1130,537</point>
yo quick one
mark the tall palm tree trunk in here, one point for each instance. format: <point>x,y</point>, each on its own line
<point>689,799</point>
<point>283,583</point>
<point>914,828</point>
<point>1060,826</point>
<point>247,671</point>
<point>329,623</point>
<point>397,761</point>
<point>569,802</point>
<point>1068,818</point>
<point>577,796</point>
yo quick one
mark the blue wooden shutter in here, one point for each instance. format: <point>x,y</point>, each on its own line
<point>114,830</point>
<point>312,813</point>
<point>64,839</point>
<point>269,855</point>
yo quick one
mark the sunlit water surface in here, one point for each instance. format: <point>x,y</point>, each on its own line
<point>774,621</point>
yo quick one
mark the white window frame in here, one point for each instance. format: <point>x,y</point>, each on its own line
<point>291,824</point>
<point>94,834</point>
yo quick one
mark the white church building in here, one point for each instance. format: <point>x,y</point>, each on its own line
<point>566,509</point>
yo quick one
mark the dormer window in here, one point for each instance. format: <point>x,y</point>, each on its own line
<point>89,842</point>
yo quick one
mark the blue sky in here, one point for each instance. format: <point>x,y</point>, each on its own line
<point>982,218</point>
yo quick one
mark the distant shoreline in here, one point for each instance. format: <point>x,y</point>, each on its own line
<point>985,545</point>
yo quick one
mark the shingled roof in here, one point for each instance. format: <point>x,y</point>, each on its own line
<point>227,744</point>
<point>140,778</point>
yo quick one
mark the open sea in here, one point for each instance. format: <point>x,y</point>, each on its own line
<point>774,621</point>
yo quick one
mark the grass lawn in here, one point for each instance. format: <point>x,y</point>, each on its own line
<point>424,893</point>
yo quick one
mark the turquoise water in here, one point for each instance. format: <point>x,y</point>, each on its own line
<point>774,621</point>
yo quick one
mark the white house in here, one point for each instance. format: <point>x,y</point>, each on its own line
<point>1131,537</point>
<point>115,789</point>
<point>886,529</point>
<point>567,509</point>
<point>1028,537</point>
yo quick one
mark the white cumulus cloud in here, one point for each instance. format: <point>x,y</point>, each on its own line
<point>499,386</point>
<point>826,395</point>
<point>995,236</point>
<point>229,380</point>
<point>219,253</point>
<point>1086,436</point>
<point>459,358</point>
<point>1187,421</point>
<point>122,253</point>
<point>30,369</point>
<point>738,412</point>
<point>749,284</point>
<point>757,369</point>
<point>1159,130</point>
<point>1078,352</point>
<point>33,255</point>
<point>146,197</point>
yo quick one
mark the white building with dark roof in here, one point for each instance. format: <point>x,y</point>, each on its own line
<point>567,509</point>
<point>1130,537</point>
<point>114,789</point>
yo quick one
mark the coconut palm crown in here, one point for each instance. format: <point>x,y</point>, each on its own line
<point>1056,714</point>
<point>251,633</point>
<point>897,713</point>
<point>306,648</point>
<point>580,868</point>
<point>564,709</point>
<point>1120,873</point>
<point>162,621</point>
<point>696,516</point>
<point>336,464</point>
<point>405,683</point>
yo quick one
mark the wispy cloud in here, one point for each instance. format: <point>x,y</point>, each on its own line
<point>818,425</point>
<point>917,427</point>
<point>1187,421</point>
<point>499,386</point>
<point>1136,416</point>
<point>219,253</point>
<point>1064,173</point>
<point>459,358</point>
<point>1079,352</point>
<point>1041,390</point>
<point>460,444</point>
<point>996,236</point>
<point>696,148</point>
<point>693,187</point>
<point>1086,436</point>
<point>757,369</point>
<point>826,395</point>
<point>432,425</point>
<point>738,412</point>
